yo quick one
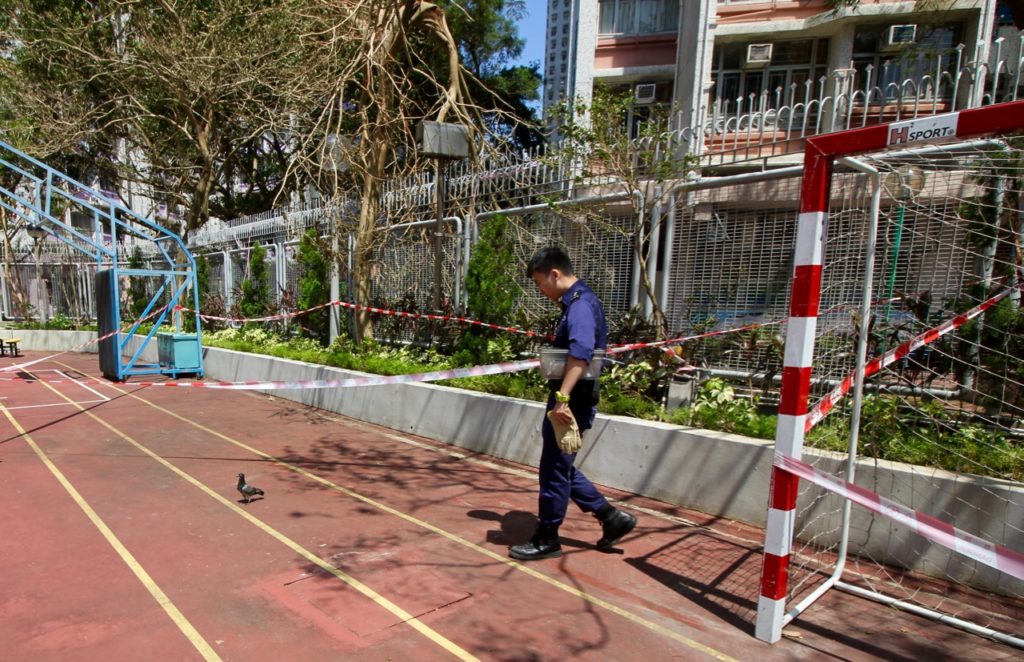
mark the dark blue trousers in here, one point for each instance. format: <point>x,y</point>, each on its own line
<point>560,481</point>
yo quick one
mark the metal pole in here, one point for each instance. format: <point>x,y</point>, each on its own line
<point>225,269</point>
<point>335,318</point>
<point>40,290</point>
<point>350,281</point>
<point>666,272</point>
<point>6,306</point>
<point>891,280</point>
<point>438,226</point>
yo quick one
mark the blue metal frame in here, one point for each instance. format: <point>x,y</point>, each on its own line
<point>33,201</point>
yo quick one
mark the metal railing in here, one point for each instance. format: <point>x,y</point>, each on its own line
<point>774,122</point>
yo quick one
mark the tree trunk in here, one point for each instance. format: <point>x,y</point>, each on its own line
<point>366,235</point>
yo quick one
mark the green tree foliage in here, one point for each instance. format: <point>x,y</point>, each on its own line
<point>315,284</point>
<point>203,290</point>
<point>489,43</point>
<point>202,275</point>
<point>492,290</point>
<point>255,299</point>
<point>225,106</point>
<point>194,90</point>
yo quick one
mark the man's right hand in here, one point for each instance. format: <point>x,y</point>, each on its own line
<point>567,433</point>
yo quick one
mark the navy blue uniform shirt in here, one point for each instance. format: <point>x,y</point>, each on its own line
<point>582,328</point>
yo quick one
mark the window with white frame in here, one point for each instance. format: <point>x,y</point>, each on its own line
<point>633,17</point>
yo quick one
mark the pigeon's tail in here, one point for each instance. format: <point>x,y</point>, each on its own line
<point>256,491</point>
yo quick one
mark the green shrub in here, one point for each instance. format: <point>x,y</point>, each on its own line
<point>925,433</point>
<point>492,288</point>
<point>315,284</point>
<point>60,322</point>
<point>255,299</point>
<point>492,293</point>
<point>716,407</point>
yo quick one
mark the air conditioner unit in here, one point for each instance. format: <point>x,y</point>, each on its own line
<point>900,35</point>
<point>758,55</point>
<point>644,93</point>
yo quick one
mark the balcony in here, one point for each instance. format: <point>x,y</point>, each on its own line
<point>775,122</point>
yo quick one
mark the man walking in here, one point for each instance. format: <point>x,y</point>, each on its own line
<point>581,330</point>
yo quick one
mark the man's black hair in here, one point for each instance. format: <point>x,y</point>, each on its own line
<point>546,259</point>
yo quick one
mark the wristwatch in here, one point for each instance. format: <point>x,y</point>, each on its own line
<point>561,397</point>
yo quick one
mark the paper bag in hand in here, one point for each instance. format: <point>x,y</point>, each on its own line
<point>566,434</point>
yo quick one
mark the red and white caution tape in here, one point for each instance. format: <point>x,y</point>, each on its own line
<point>826,404</point>
<point>26,364</point>
<point>372,309</point>
<point>376,380</point>
<point>373,380</point>
<point>493,369</point>
<point>615,349</point>
<point>991,554</point>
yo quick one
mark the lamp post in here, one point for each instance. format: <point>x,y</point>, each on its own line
<point>444,142</point>
<point>335,162</point>
<point>38,232</point>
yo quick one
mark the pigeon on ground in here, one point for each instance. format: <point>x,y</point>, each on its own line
<point>246,490</point>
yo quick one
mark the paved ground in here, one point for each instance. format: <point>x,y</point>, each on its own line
<point>124,538</point>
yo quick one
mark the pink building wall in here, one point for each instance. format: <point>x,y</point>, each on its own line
<point>618,52</point>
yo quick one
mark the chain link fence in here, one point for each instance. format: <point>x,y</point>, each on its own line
<point>723,259</point>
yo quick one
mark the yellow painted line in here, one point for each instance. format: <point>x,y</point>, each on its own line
<point>405,616</point>
<point>618,611</point>
<point>161,598</point>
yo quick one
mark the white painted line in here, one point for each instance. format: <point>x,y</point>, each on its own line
<point>58,404</point>
<point>85,386</point>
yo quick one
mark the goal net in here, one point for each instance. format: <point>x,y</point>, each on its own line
<point>899,463</point>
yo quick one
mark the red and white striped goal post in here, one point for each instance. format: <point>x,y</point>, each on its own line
<point>820,155</point>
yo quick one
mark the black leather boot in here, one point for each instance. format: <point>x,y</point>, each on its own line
<point>614,525</point>
<point>543,545</point>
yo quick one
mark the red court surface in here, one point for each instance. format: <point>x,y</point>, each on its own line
<point>124,538</point>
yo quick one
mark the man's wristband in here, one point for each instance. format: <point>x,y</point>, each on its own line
<point>561,397</point>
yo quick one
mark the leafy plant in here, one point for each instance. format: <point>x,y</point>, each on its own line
<point>927,433</point>
<point>61,322</point>
<point>716,407</point>
<point>202,289</point>
<point>314,285</point>
<point>761,349</point>
<point>255,299</point>
<point>492,291</point>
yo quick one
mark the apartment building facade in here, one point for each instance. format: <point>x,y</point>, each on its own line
<point>716,62</point>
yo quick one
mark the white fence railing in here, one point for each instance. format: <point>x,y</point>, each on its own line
<point>774,122</point>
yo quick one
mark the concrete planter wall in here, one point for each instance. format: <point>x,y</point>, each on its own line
<point>722,474</point>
